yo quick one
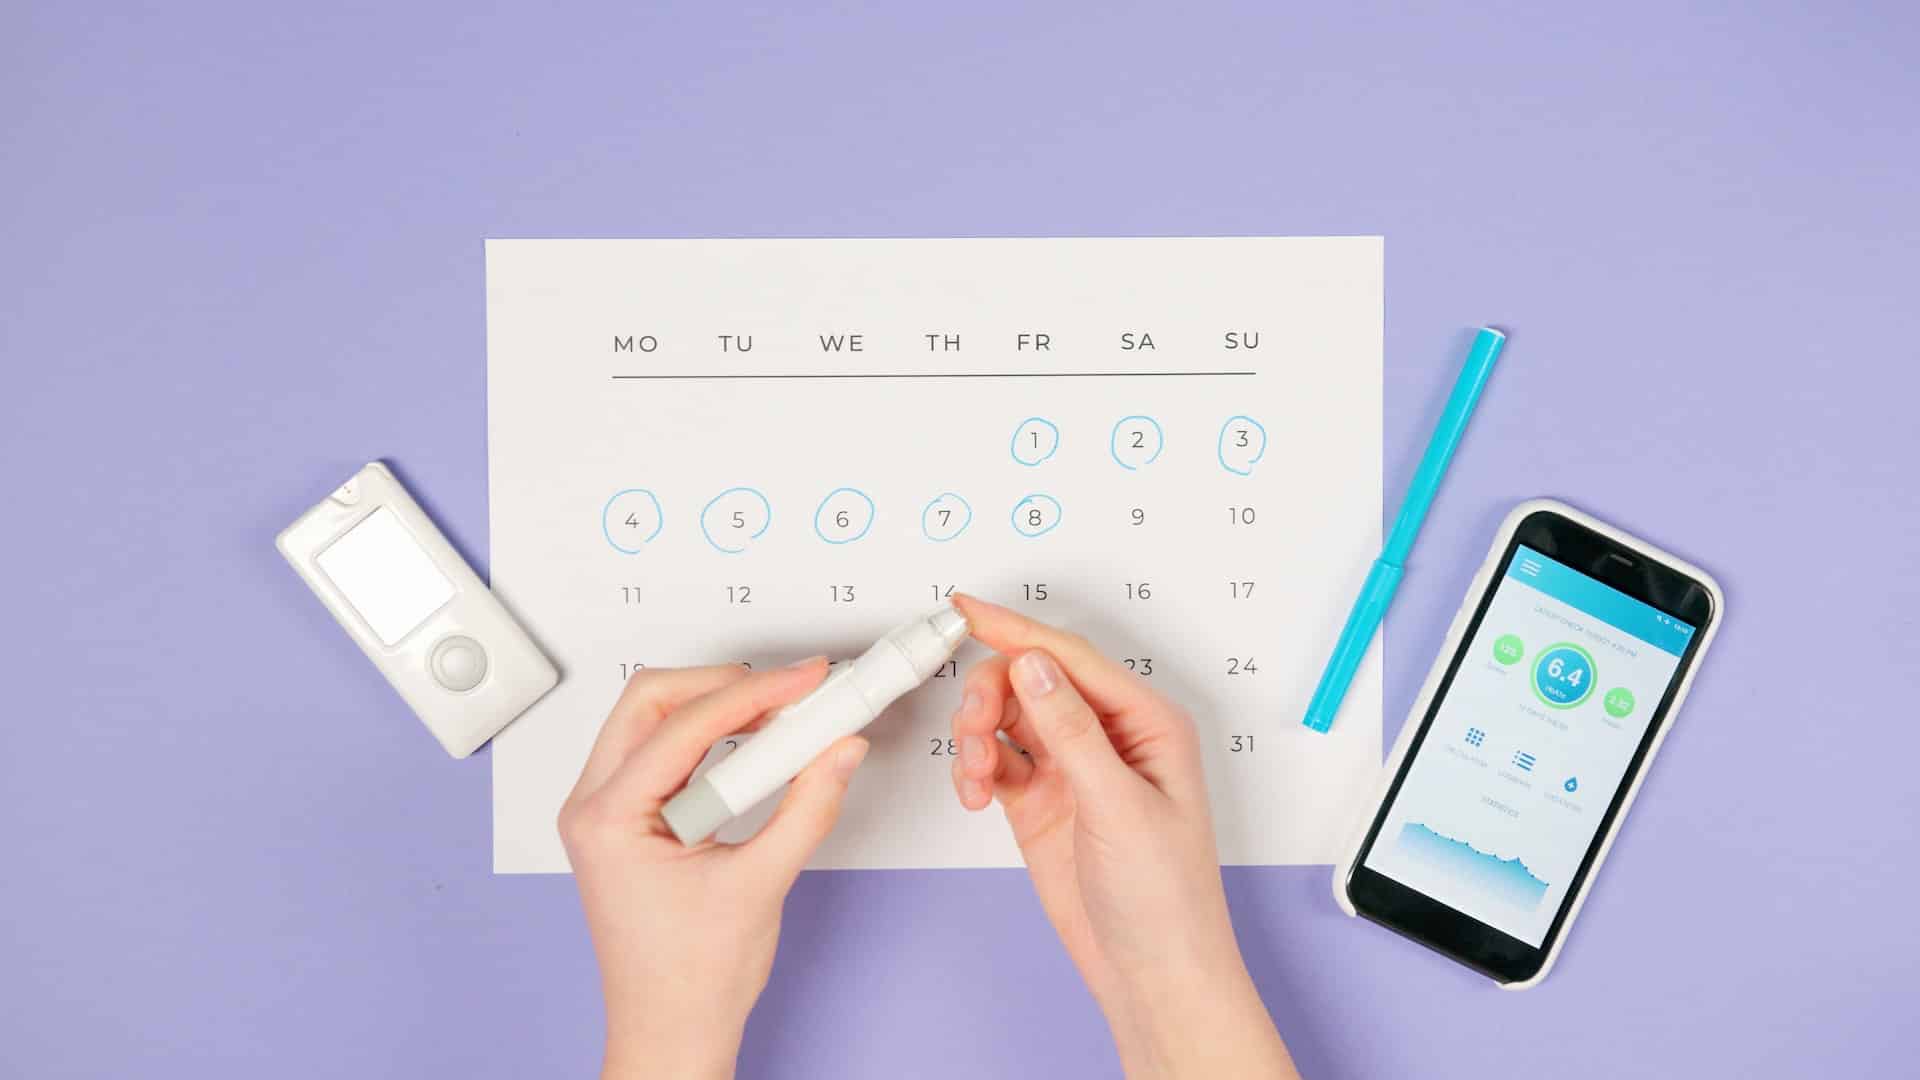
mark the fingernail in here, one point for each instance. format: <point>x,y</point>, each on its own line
<point>848,758</point>
<point>1035,674</point>
<point>973,751</point>
<point>816,658</point>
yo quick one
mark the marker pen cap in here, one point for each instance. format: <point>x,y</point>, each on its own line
<point>696,812</point>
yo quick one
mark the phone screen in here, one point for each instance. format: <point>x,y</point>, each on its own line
<point>1535,736</point>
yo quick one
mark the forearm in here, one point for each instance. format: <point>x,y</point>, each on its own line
<point>690,1058</point>
<point>686,1047</point>
<point>1211,1026</point>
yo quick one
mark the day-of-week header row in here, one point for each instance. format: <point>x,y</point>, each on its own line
<point>855,341</point>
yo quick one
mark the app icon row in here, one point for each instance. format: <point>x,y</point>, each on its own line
<point>1522,760</point>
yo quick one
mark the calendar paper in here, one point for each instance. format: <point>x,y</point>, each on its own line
<point>759,450</point>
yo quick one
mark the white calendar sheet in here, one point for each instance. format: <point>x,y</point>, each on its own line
<point>758,450</point>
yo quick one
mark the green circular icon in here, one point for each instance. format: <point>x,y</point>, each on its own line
<point>1618,702</point>
<point>1509,649</point>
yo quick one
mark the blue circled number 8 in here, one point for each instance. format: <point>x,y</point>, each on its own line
<point>1036,515</point>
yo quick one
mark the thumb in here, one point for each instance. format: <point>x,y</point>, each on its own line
<point>1068,727</point>
<point>808,811</point>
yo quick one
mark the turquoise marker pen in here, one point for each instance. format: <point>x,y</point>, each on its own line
<point>1371,607</point>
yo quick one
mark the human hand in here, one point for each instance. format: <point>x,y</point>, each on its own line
<point>685,936</point>
<point>1109,807</point>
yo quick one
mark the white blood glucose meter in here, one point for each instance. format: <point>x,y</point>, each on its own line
<point>423,617</point>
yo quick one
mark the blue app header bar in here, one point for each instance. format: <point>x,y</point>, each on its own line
<point>1602,602</point>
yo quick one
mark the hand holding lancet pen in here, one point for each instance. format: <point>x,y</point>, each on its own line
<point>850,699</point>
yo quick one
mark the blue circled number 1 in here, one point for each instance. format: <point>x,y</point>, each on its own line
<point>1035,440</point>
<point>1563,675</point>
<point>732,520</point>
<point>631,520</point>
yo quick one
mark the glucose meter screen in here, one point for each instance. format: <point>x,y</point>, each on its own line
<point>1529,746</point>
<point>385,574</point>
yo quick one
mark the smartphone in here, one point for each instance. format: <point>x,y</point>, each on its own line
<point>1563,671</point>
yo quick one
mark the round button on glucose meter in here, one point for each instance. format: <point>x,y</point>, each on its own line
<point>458,663</point>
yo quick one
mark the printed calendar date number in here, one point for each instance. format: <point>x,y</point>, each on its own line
<point>1237,665</point>
<point>841,594</point>
<point>1142,665</point>
<point>739,594</point>
<point>950,747</point>
<point>1239,744</point>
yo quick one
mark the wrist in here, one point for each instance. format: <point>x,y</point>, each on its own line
<point>694,1063</point>
<point>1207,1023</point>
<point>698,1052</point>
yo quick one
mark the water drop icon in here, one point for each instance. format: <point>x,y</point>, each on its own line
<point>1572,785</point>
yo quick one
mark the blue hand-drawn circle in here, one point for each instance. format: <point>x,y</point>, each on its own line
<point>1035,500</point>
<point>868,524</point>
<point>1563,675</point>
<point>942,535</point>
<point>1024,451</point>
<point>1113,442</point>
<point>1247,431</point>
<point>607,515</point>
<point>766,509</point>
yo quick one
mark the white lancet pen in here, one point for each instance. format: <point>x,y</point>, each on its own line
<point>851,698</point>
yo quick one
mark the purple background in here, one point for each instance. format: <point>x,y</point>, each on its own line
<point>242,253</point>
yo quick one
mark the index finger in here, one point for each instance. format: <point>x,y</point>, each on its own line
<point>646,700</point>
<point>1107,685</point>
<point>661,766</point>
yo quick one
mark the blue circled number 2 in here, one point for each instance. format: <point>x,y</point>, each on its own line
<point>1136,441</point>
<point>732,520</point>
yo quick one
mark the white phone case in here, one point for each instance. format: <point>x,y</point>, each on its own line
<point>1457,631</point>
<point>449,648</point>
